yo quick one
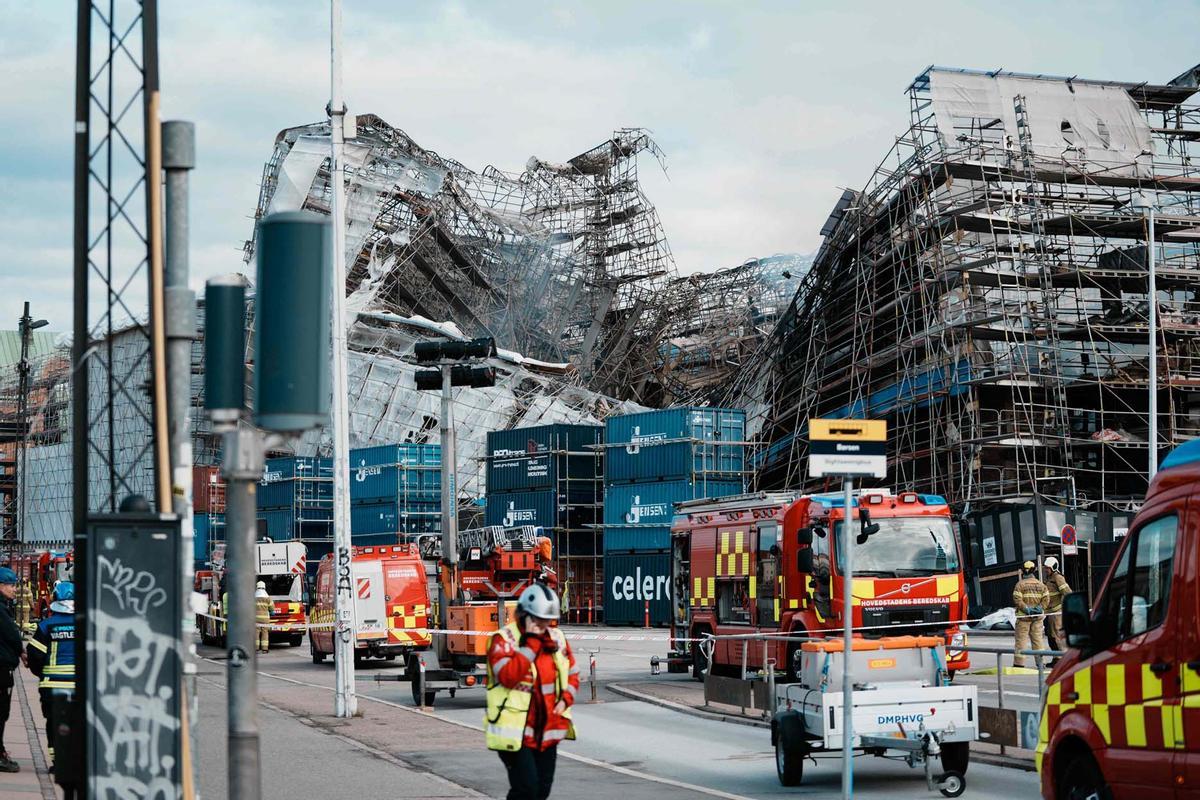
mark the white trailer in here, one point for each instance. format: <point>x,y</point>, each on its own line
<point>904,708</point>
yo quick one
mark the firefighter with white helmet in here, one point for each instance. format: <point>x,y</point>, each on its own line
<point>1057,587</point>
<point>262,616</point>
<point>532,680</point>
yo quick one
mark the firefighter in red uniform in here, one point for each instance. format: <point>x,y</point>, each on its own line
<point>531,686</point>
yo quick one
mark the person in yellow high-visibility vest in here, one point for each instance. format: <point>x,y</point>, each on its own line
<point>262,617</point>
<point>532,680</point>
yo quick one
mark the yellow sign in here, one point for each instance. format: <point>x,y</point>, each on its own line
<point>847,430</point>
<point>881,663</point>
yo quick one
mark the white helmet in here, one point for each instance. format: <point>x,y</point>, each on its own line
<point>1051,562</point>
<point>540,601</point>
<point>261,585</point>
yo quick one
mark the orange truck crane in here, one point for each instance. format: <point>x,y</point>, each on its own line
<point>768,563</point>
<point>495,565</point>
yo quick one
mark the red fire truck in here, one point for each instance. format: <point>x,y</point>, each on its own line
<point>768,562</point>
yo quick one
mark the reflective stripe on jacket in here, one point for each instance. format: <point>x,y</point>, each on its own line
<point>524,684</point>
<point>262,609</point>
<point>51,652</point>
<point>1029,595</point>
<point>1058,589</point>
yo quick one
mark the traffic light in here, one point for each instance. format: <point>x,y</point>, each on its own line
<point>477,377</point>
<point>453,350</point>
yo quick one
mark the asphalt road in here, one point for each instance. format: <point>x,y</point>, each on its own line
<point>626,748</point>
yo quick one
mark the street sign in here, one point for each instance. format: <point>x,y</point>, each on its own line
<point>1067,535</point>
<point>847,447</point>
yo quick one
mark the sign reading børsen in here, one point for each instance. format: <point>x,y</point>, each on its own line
<point>847,447</point>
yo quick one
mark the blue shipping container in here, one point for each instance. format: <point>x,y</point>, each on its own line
<point>527,459</point>
<point>627,538</point>
<point>283,524</point>
<point>632,579</point>
<point>675,443</point>
<point>395,471</point>
<point>652,502</point>
<point>296,482</point>
<point>522,508</point>
<point>391,517</point>
<point>208,529</point>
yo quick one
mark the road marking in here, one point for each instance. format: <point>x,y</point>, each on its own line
<point>633,773</point>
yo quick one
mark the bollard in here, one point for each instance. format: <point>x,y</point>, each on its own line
<point>1000,686</point>
<point>421,683</point>
<point>589,611</point>
<point>647,618</point>
<point>655,669</point>
<point>769,711</point>
<point>592,672</point>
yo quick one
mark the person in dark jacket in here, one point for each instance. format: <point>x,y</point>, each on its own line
<point>50,654</point>
<point>10,658</point>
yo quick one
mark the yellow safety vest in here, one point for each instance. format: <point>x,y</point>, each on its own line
<point>504,722</point>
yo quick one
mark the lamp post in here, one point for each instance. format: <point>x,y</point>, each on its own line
<point>26,325</point>
<point>1146,201</point>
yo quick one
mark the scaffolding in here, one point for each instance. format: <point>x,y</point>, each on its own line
<point>986,293</point>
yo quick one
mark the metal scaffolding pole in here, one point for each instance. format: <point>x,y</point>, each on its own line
<point>345,701</point>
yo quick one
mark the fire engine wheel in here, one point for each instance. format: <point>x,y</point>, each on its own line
<point>952,784</point>
<point>317,657</point>
<point>956,756</point>
<point>790,748</point>
<point>1081,779</point>
<point>294,641</point>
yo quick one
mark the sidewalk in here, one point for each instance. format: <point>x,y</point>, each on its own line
<point>25,739</point>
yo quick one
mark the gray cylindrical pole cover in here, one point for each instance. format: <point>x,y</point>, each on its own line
<point>224,345</point>
<point>292,382</point>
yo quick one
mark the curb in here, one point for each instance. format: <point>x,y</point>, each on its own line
<point>992,759</point>
<point>692,711</point>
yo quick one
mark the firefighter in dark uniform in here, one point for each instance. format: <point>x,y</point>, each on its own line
<point>51,654</point>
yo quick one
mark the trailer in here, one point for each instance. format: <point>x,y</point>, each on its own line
<point>904,708</point>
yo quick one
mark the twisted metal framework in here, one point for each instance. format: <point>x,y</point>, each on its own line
<point>989,299</point>
<point>119,393</point>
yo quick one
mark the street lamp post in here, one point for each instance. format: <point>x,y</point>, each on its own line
<point>26,325</point>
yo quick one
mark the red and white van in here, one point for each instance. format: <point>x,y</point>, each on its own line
<point>1121,717</point>
<point>391,603</point>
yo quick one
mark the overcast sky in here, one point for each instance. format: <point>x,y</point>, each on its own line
<point>763,109</point>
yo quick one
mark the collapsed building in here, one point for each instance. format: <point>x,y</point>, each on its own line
<point>565,264</point>
<point>986,292</point>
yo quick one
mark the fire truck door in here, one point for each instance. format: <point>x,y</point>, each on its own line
<point>369,605</point>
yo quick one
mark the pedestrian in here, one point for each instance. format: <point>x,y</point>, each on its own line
<point>1030,599</point>
<point>50,654</point>
<point>262,616</point>
<point>10,658</point>
<point>532,679</point>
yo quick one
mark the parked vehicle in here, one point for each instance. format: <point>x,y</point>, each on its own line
<point>1121,716</point>
<point>392,610</point>
<point>281,566</point>
<point>768,562</point>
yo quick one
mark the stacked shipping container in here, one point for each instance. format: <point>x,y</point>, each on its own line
<point>208,512</point>
<point>551,476</point>
<point>653,460</point>
<point>395,490</point>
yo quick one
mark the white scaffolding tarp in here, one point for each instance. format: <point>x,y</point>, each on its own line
<point>1094,127</point>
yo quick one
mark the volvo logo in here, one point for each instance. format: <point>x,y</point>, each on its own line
<point>906,588</point>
